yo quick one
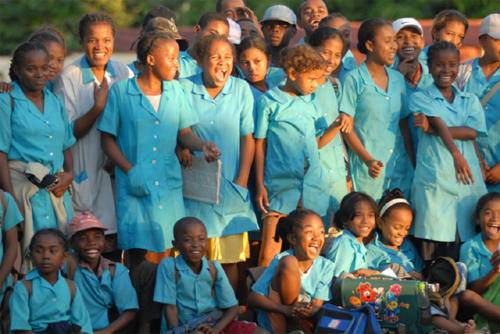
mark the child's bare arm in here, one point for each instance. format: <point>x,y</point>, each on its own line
<point>228,316</point>
<point>189,140</point>
<point>10,253</point>
<point>342,123</point>
<point>482,284</point>
<point>405,131</point>
<point>247,154</point>
<point>83,124</point>
<point>121,322</point>
<point>114,153</point>
<point>171,315</point>
<point>260,156</point>
<point>463,132</point>
<point>462,169</point>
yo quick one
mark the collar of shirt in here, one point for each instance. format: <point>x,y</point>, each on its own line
<point>18,94</point>
<point>88,75</point>
<point>34,274</point>
<point>435,93</point>
<point>481,247</point>
<point>200,89</point>
<point>368,80</point>
<point>101,267</point>
<point>360,246</point>
<point>182,266</point>
<point>278,95</point>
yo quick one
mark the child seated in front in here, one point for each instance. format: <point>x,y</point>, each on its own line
<point>104,284</point>
<point>297,282</point>
<point>190,287</point>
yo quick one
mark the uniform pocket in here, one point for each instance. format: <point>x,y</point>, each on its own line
<point>233,199</point>
<point>137,182</point>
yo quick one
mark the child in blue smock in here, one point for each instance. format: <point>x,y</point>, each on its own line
<point>390,245</point>
<point>329,44</point>
<point>375,96</point>
<point>481,254</point>
<point>483,75</point>
<point>44,300</point>
<point>450,121</point>
<point>140,126</point>
<point>190,286</point>
<point>356,217</point>
<point>224,105</point>
<point>11,217</point>
<point>35,135</point>
<point>103,284</point>
<point>298,280</point>
<point>209,23</point>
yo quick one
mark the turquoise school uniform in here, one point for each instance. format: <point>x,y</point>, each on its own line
<point>348,63</point>
<point>442,205</point>
<point>476,257</point>
<point>188,66</point>
<point>315,284</point>
<point>288,125</point>
<point>30,136</point>
<point>133,68</point>
<point>379,256</point>
<point>332,154</point>
<point>11,219</point>
<point>149,197</point>
<point>489,142</point>
<point>376,122</point>
<point>191,293</point>
<point>223,120</point>
<point>47,304</point>
<point>347,254</point>
<point>100,294</point>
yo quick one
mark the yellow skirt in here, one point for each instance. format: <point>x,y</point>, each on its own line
<point>229,249</point>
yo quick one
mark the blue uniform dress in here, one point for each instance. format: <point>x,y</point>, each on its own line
<point>102,293</point>
<point>28,135</point>
<point>332,154</point>
<point>133,68</point>
<point>11,219</point>
<point>379,256</point>
<point>347,254</point>
<point>443,205</point>
<point>376,122</point>
<point>191,293</point>
<point>223,120</point>
<point>348,64</point>
<point>149,197</point>
<point>489,142</point>
<point>315,284</point>
<point>188,66</point>
<point>46,304</point>
<point>288,124</point>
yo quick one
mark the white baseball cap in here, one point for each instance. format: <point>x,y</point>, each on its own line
<point>279,13</point>
<point>490,26</point>
<point>406,22</point>
<point>234,32</point>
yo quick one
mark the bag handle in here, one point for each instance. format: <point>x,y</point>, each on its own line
<point>490,94</point>
<point>382,276</point>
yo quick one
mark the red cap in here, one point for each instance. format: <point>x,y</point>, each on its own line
<point>84,221</point>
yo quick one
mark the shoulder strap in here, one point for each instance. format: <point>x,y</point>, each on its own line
<point>71,265</point>
<point>490,94</point>
<point>72,288</point>
<point>176,272</point>
<point>4,208</point>
<point>213,272</point>
<point>28,285</point>
<point>112,269</point>
<point>11,102</point>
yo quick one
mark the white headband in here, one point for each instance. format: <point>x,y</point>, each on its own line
<point>391,203</point>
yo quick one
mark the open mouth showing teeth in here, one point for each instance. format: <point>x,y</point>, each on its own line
<point>495,228</point>
<point>408,50</point>
<point>220,75</point>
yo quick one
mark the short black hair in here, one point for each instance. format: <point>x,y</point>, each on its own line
<point>181,225</point>
<point>347,207</point>
<point>19,56</point>
<point>48,231</point>
<point>208,17</point>
<point>94,18</point>
<point>435,48</point>
<point>367,32</point>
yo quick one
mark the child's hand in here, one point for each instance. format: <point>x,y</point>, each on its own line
<point>421,121</point>
<point>346,122</point>
<point>374,168</point>
<point>101,94</point>
<point>462,169</point>
<point>261,198</point>
<point>64,181</point>
<point>493,174</point>
<point>303,310</point>
<point>205,329</point>
<point>6,87</point>
<point>184,156</point>
<point>408,66</point>
<point>211,151</point>
<point>495,261</point>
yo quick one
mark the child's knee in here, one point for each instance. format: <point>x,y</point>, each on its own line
<point>288,264</point>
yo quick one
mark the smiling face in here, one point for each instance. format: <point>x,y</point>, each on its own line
<point>217,64</point>
<point>453,32</point>
<point>254,63</point>
<point>489,220</point>
<point>164,59</point>
<point>98,44</point>
<point>90,244</point>
<point>383,47</point>
<point>307,241</point>
<point>444,68</point>
<point>395,226</point>
<point>409,43</point>
<point>331,50</point>
<point>32,72</point>
<point>192,243</point>
<point>363,221</point>
<point>56,59</point>
<point>311,12</point>
<point>48,254</point>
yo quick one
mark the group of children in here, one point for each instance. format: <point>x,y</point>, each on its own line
<point>309,143</point>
